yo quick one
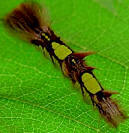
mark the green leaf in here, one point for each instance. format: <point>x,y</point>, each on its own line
<point>35,96</point>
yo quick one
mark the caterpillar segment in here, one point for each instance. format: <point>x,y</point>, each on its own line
<point>78,71</point>
<point>26,21</point>
<point>54,47</point>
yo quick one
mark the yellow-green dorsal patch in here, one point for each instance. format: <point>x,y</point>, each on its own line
<point>90,83</point>
<point>61,51</point>
<point>55,45</point>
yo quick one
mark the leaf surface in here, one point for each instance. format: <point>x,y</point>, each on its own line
<point>35,96</point>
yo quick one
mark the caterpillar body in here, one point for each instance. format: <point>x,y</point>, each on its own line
<point>26,21</point>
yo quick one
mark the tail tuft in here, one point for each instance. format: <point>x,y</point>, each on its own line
<point>26,21</point>
<point>108,109</point>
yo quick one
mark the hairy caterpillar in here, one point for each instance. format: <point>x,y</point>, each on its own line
<point>26,20</point>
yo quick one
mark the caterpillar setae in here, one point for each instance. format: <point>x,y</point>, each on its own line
<point>27,21</point>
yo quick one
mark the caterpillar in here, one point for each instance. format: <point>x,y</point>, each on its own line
<point>26,20</point>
